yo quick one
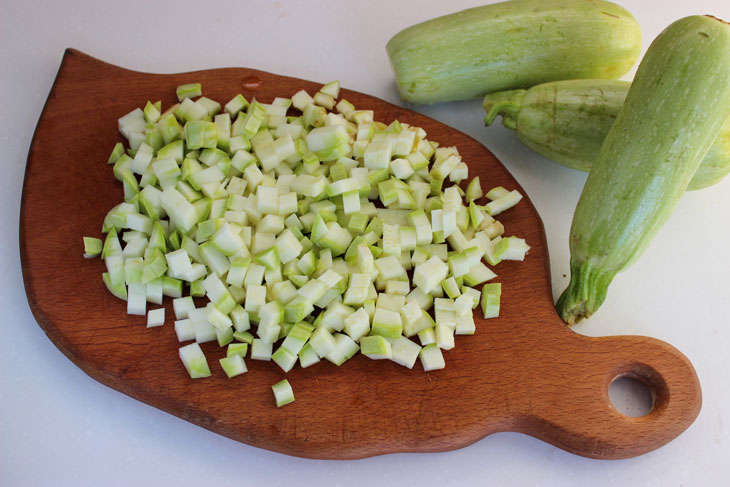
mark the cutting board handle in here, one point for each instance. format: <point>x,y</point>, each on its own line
<point>570,405</point>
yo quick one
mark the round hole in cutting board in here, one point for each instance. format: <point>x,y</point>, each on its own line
<point>630,396</point>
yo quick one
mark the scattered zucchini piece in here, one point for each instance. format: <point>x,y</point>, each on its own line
<point>92,247</point>
<point>283,393</point>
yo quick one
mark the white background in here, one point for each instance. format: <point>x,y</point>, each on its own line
<point>59,427</point>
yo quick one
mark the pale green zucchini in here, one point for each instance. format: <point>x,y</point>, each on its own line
<point>566,121</point>
<point>673,112</point>
<point>514,44</point>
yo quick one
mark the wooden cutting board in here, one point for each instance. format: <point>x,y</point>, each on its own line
<point>524,371</point>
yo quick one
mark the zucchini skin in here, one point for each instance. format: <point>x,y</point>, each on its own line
<point>513,44</point>
<point>566,121</point>
<point>673,113</point>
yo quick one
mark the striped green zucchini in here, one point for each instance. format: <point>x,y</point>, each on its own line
<point>673,113</point>
<point>514,44</point>
<point>566,121</point>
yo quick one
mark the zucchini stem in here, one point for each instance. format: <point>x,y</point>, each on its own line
<point>585,292</point>
<point>505,103</point>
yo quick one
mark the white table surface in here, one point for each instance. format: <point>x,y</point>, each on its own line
<point>59,427</point>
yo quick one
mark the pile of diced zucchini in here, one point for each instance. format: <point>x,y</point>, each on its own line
<point>313,236</point>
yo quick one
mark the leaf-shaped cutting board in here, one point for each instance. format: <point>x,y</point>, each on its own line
<point>524,371</point>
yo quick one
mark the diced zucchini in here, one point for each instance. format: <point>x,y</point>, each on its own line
<point>273,219</point>
<point>283,393</point>
<point>233,365</point>
<point>194,361</point>
<point>431,357</point>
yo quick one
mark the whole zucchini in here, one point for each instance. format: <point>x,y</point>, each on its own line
<point>566,121</point>
<point>673,112</point>
<point>514,44</point>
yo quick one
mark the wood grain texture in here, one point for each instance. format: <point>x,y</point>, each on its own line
<point>524,371</point>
